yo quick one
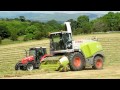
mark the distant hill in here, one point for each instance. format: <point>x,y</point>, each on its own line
<point>43,17</point>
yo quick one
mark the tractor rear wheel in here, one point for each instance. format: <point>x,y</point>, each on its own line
<point>30,67</point>
<point>37,66</point>
<point>76,61</point>
<point>98,62</point>
<point>17,67</point>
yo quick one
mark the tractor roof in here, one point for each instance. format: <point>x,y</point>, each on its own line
<point>59,32</point>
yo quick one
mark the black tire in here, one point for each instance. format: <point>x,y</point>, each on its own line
<point>79,65</point>
<point>98,63</point>
<point>37,67</point>
<point>84,67</point>
<point>17,67</point>
<point>29,67</point>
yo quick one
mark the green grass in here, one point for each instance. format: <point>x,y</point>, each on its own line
<point>12,53</point>
<point>20,40</point>
<point>8,41</point>
<point>10,72</point>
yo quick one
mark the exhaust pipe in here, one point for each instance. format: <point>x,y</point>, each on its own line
<point>25,52</point>
<point>68,27</point>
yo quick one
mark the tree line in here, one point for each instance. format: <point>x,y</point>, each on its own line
<point>13,28</point>
<point>108,22</point>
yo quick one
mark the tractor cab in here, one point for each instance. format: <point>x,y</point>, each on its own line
<point>61,42</point>
<point>37,53</point>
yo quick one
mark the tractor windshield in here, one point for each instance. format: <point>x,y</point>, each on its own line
<point>56,38</point>
<point>55,41</point>
<point>32,53</point>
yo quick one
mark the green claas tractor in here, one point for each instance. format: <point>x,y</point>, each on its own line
<point>80,52</point>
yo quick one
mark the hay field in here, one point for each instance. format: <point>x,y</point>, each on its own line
<point>11,54</point>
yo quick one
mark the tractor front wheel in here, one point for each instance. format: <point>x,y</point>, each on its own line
<point>17,67</point>
<point>98,62</point>
<point>30,67</point>
<point>76,61</point>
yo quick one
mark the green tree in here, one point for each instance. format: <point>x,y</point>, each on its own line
<point>99,26</point>
<point>73,24</point>
<point>17,26</point>
<point>54,24</point>
<point>86,28</point>
<point>112,20</point>
<point>4,33</point>
<point>29,36</point>
<point>78,31</point>
<point>14,36</point>
<point>38,35</point>
<point>31,29</point>
<point>83,22</point>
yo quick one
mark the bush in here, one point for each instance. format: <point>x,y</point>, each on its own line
<point>14,37</point>
<point>78,31</point>
<point>21,32</point>
<point>25,38</point>
<point>38,35</point>
<point>28,37</point>
<point>4,33</point>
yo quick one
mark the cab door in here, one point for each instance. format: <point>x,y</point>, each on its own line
<point>67,39</point>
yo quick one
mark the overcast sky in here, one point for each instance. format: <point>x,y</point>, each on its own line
<point>70,12</point>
